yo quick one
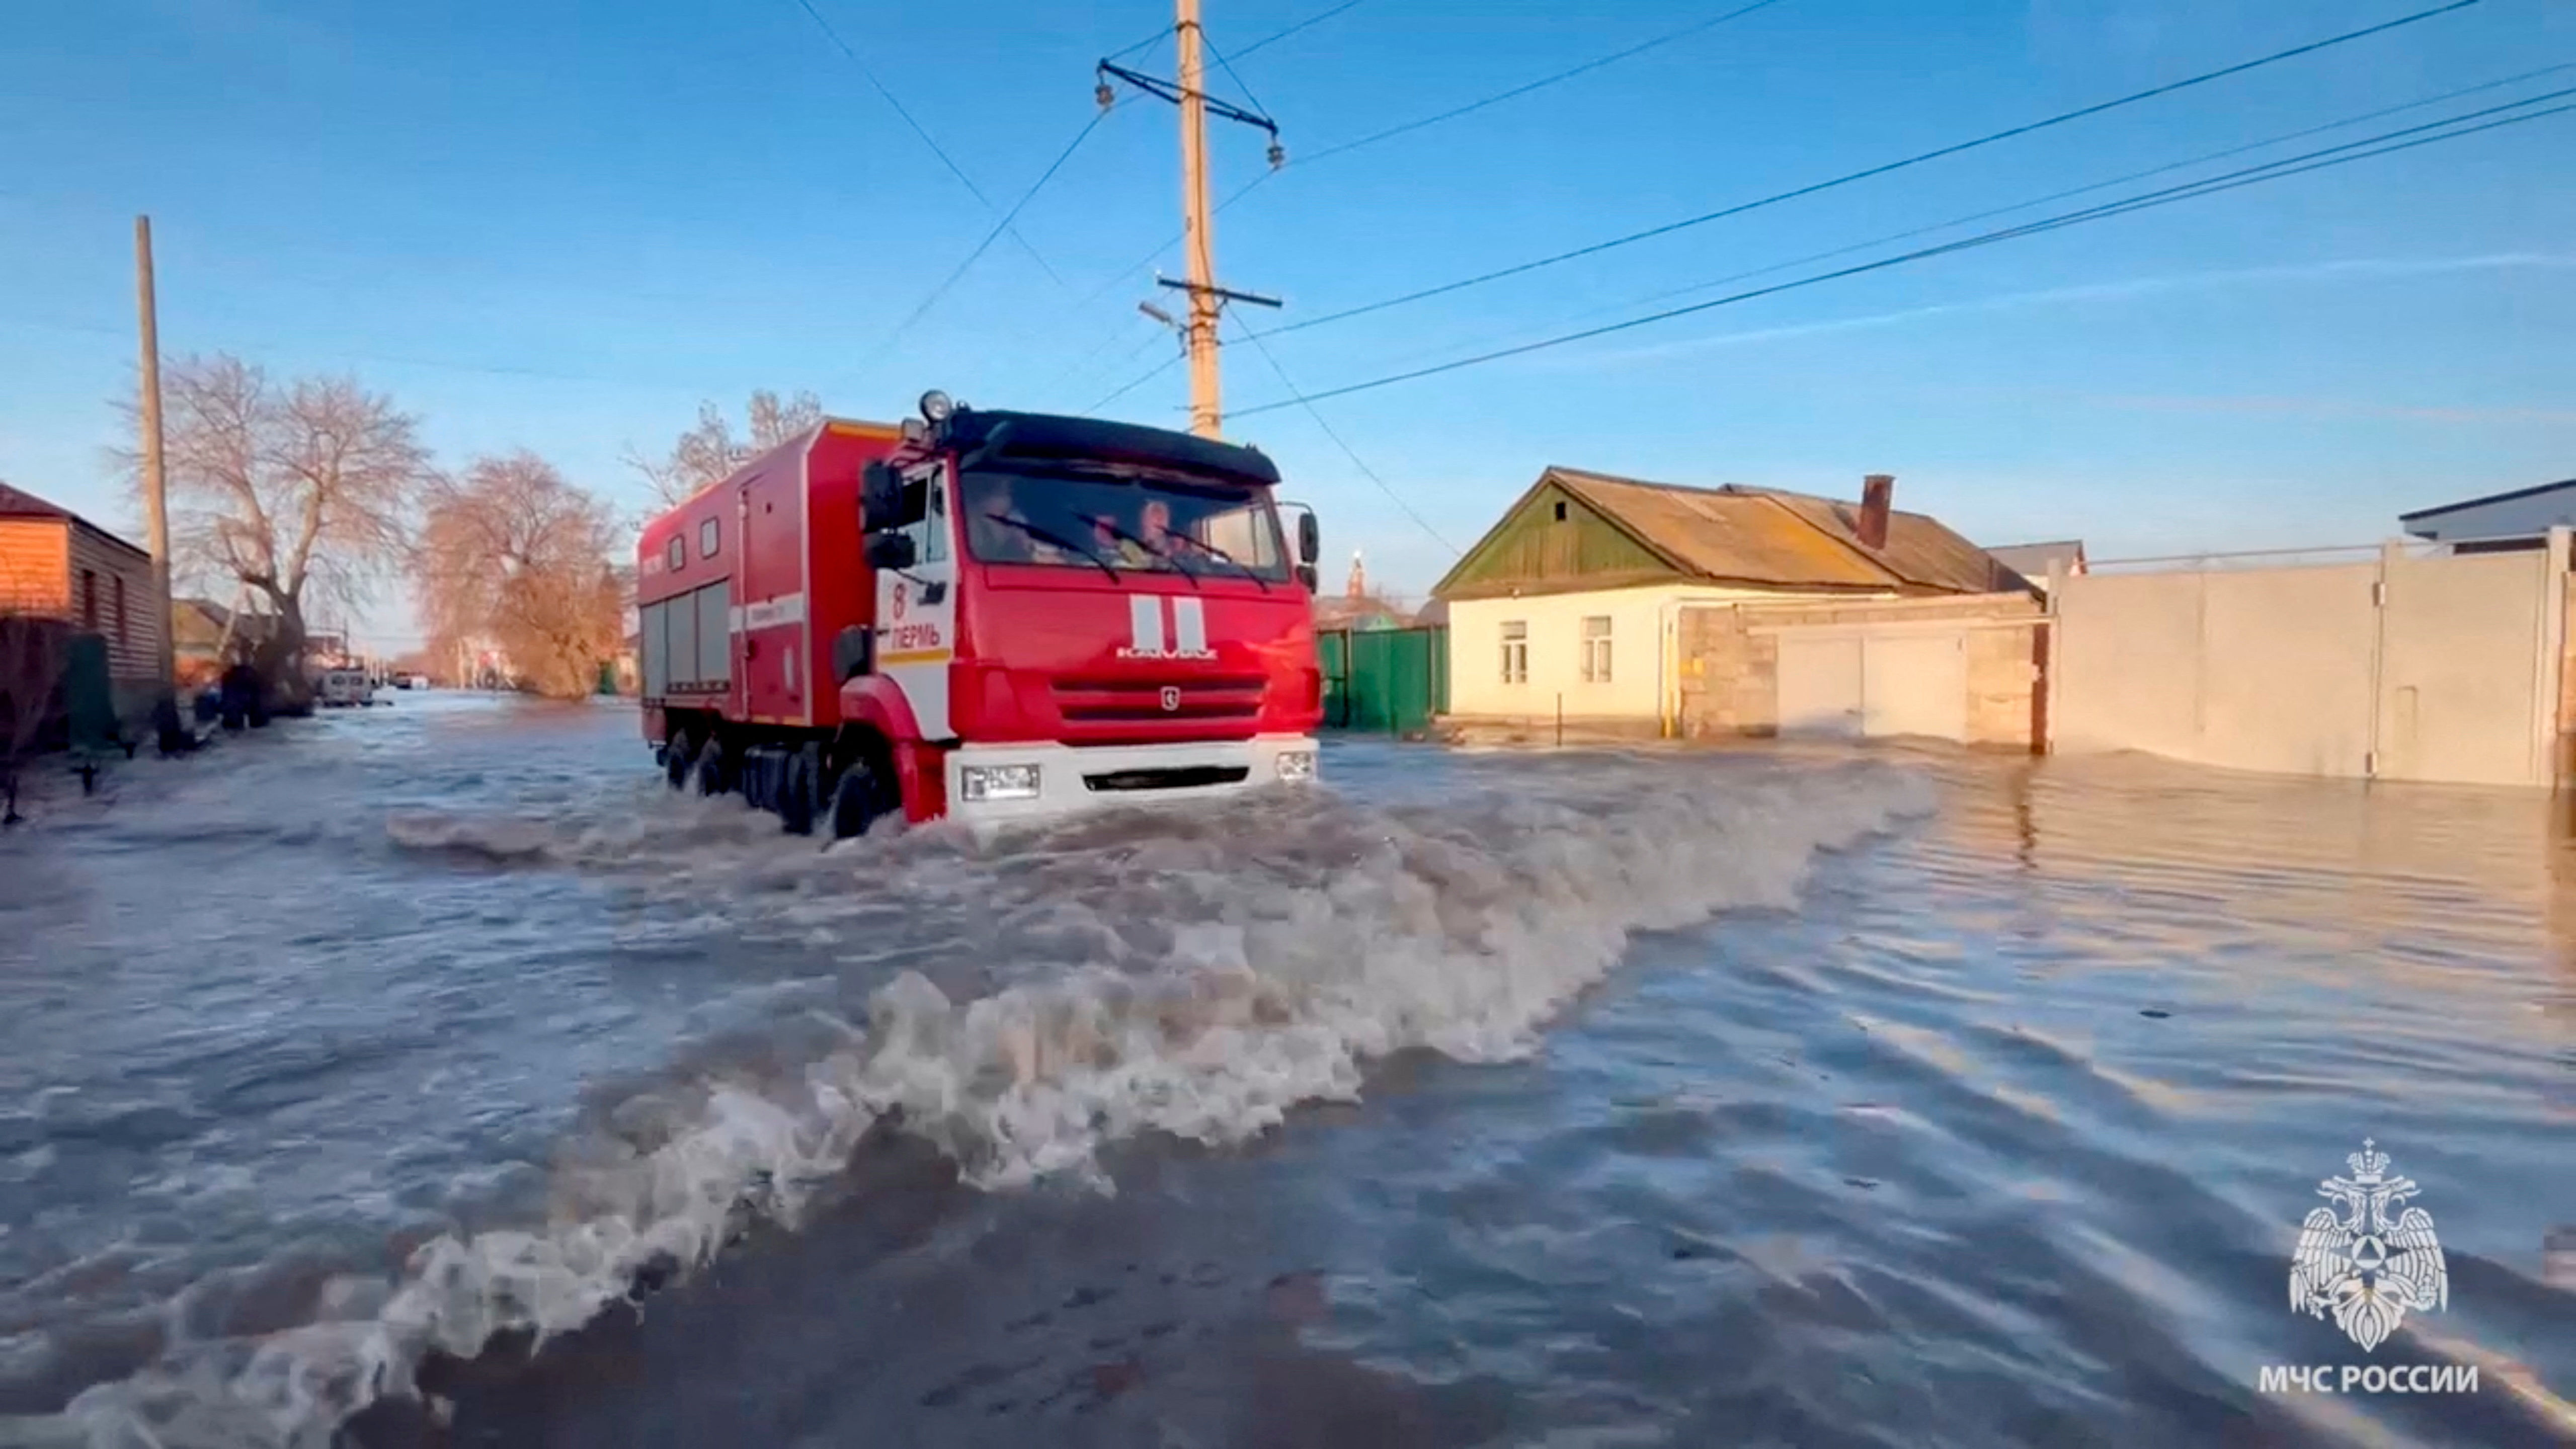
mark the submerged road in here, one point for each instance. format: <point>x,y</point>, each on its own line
<point>1666,1097</point>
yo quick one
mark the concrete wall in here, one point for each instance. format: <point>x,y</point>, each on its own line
<point>1642,653</point>
<point>2441,668</point>
<point>2565,760</point>
<point>1729,663</point>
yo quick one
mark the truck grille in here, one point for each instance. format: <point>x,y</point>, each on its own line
<point>1235,697</point>
<point>1175,777</point>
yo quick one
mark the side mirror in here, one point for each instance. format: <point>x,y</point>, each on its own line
<point>890,551</point>
<point>1306,576</point>
<point>1310,542</point>
<point>880,497</point>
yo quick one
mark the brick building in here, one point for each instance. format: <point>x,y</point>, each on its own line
<point>55,564</point>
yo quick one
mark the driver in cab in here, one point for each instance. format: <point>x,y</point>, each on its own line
<point>1000,531</point>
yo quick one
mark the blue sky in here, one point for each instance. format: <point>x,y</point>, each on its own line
<point>561,225</point>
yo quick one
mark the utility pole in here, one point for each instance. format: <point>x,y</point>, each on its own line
<point>156,486</point>
<point>1198,237</point>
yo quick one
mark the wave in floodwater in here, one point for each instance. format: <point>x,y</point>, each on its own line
<point>1019,1003</point>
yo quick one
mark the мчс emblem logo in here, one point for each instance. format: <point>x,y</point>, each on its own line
<point>2363,1266</point>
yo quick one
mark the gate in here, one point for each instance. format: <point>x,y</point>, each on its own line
<point>1333,656</point>
<point>1388,681</point>
<point>2442,668</point>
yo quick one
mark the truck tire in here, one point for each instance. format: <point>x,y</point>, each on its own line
<point>856,801</point>
<point>710,770</point>
<point>801,796</point>
<point>676,757</point>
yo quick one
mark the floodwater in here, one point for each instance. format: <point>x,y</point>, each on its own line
<point>430,1075</point>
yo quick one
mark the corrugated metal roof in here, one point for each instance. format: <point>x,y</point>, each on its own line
<point>1768,536</point>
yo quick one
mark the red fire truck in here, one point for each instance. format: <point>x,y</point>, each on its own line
<point>986,615</point>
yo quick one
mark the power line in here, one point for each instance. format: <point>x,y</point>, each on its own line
<point>926,139</point>
<point>1240,83</point>
<point>2269,171</point>
<point>1279,35</point>
<point>1164,366</point>
<point>999,227</point>
<point>1082,366</point>
<point>1347,451</point>
<point>1415,125</point>
<point>2028,202</point>
<point>256,347</point>
<point>1147,260</point>
<point>1685,33</point>
<point>1988,139</point>
<point>1139,45</point>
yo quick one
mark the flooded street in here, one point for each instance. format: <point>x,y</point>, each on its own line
<point>1749,1097</point>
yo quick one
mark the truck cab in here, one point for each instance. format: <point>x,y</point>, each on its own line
<point>1002,615</point>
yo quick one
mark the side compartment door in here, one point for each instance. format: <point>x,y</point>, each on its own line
<point>917,607</point>
<point>771,608</point>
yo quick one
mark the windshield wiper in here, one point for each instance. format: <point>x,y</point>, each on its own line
<point>1126,537</point>
<point>1240,566</point>
<point>1054,540</point>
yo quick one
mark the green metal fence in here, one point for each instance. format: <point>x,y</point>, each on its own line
<point>1385,681</point>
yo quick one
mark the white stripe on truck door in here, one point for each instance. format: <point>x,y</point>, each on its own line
<point>1145,623</point>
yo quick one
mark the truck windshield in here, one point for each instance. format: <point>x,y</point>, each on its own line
<point>1150,525</point>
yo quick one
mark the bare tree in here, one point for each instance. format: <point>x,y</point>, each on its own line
<point>709,452</point>
<point>299,491</point>
<point>512,552</point>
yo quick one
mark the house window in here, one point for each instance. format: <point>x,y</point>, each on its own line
<point>677,554</point>
<point>1596,649</point>
<point>120,611</point>
<point>707,538</point>
<point>89,599</point>
<point>1516,651</point>
<point>1560,510</point>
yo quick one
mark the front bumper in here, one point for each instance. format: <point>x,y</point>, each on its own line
<point>1076,778</point>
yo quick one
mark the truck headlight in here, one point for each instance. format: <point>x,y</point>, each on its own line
<point>998,782</point>
<point>1297,765</point>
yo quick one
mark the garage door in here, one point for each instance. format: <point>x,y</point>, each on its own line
<point>1915,684</point>
<point>1820,685</point>
<point>1847,685</point>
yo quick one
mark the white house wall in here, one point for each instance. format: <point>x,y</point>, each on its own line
<point>1642,661</point>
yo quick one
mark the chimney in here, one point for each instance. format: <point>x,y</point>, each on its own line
<point>1877,492</point>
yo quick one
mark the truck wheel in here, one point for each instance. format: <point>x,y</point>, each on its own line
<point>676,756</point>
<point>710,770</point>
<point>799,800</point>
<point>855,802</point>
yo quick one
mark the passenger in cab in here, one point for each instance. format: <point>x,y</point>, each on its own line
<point>1146,545</point>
